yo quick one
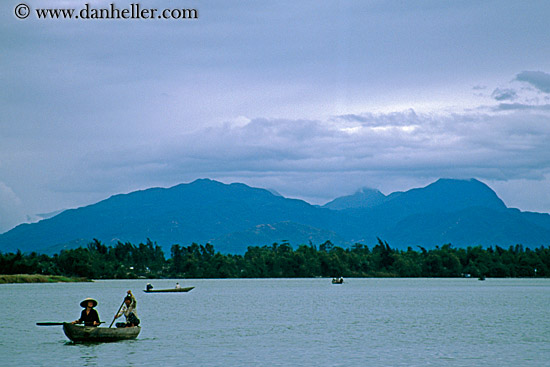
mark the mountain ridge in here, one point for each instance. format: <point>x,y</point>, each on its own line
<point>235,216</point>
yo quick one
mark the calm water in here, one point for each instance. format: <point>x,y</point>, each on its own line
<point>290,322</point>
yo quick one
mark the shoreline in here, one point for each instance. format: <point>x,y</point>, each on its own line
<point>39,278</point>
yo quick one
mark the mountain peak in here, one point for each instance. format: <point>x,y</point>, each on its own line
<point>445,194</point>
<point>363,198</point>
<point>461,193</point>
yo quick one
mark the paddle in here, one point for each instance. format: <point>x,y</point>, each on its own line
<point>56,323</point>
<point>114,318</point>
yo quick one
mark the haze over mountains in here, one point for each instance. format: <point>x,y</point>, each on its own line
<point>235,216</point>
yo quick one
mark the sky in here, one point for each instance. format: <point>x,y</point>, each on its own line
<point>313,99</point>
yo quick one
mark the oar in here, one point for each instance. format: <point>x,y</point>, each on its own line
<point>114,318</point>
<point>56,323</point>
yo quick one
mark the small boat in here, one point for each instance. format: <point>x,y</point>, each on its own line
<point>93,334</point>
<point>338,280</point>
<point>182,289</point>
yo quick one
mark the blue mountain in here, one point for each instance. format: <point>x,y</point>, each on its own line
<point>235,216</point>
<point>363,198</point>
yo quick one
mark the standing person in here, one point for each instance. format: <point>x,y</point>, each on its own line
<point>89,315</point>
<point>128,310</point>
<point>178,286</point>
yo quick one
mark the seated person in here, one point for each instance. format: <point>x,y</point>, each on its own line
<point>89,315</point>
<point>128,310</point>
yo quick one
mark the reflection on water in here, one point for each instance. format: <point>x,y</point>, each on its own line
<point>88,356</point>
<point>289,322</point>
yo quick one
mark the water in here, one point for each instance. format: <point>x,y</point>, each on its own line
<point>289,322</point>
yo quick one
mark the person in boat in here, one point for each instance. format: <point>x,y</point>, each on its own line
<point>148,286</point>
<point>89,315</point>
<point>128,310</point>
<point>178,286</point>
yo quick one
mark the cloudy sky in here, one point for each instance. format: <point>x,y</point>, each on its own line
<point>314,99</point>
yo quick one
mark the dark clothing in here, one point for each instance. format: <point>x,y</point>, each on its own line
<point>132,320</point>
<point>89,318</point>
<point>129,311</point>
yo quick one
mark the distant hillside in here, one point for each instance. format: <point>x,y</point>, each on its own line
<point>263,234</point>
<point>364,198</point>
<point>233,217</point>
<point>195,212</point>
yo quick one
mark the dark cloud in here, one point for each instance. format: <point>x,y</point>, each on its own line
<point>521,106</point>
<point>321,159</point>
<point>401,118</point>
<point>504,94</point>
<point>537,79</point>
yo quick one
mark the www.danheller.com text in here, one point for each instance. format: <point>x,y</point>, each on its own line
<point>88,11</point>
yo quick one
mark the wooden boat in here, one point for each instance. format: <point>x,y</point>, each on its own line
<point>182,289</point>
<point>91,334</point>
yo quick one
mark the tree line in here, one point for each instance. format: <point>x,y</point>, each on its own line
<point>147,260</point>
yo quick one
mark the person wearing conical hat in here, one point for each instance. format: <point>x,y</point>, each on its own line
<point>89,315</point>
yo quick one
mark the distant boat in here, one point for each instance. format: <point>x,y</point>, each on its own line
<point>337,280</point>
<point>183,289</point>
<point>481,277</point>
<point>92,334</point>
